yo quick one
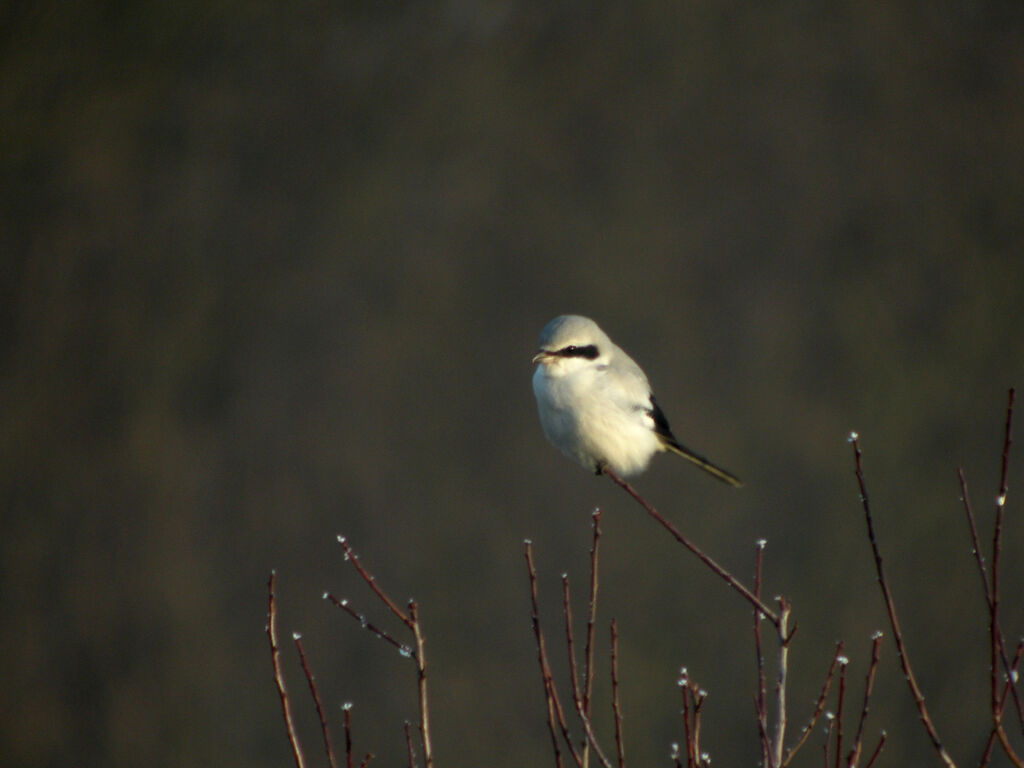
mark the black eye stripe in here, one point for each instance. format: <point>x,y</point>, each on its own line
<point>589,352</point>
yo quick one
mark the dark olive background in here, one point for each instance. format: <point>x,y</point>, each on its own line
<point>275,271</point>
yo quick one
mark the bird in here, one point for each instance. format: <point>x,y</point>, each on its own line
<point>596,405</point>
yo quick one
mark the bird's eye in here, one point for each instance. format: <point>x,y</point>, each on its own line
<point>589,351</point>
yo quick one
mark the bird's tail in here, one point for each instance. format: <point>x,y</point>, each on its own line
<point>700,461</point>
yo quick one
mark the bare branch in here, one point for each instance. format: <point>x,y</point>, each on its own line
<point>839,709</point>
<point>275,660</point>
<point>693,702</point>
<point>998,647</point>
<point>890,607</point>
<point>707,560</point>
<point>316,700</point>
<point>588,668</point>
<point>554,706</point>
<point>347,713</point>
<point>869,685</point>
<point>819,706</point>
<point>780,684</point>
<point>760,697</point>
<point>366,624</point>
<point>878,750</point>
<point>421,680</point>
<point>353,558</point>
<point>592,739</point>
<point>409,749</point>
<point>620,747</point>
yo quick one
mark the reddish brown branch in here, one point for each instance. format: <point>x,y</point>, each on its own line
<point>421,682</point>
<point>620,747</point>
<point>369,626</point>
<point>275,660</point>
<point>555,714</point>
<point>353,558</point>
<point>706,559</point>
<point>869,686</point>
<point>990,743</point>
<point>410,750</point>
<point>577,694</point>
<point>316,700</point>
<point>998,648</point>
<point>760,697</point>
<point>417,653</point>
<point>693,702</point>
<point>843,661</point>
<point>819,706</point>
<point>890,607</point>
<point>878,750</point>
<point>588,664</point>
<point>346,709</point>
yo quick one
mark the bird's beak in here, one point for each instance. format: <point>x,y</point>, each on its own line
<point>542,356</point>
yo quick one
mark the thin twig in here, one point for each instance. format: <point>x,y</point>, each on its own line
<point>869,685</point>
<point>353,558</point>
<point>688,731</point>
<point>878,750</point>
<point>369,626</point>
<point>698,703</point>
<point>588,652</point>
<point>707,560</point>
<point>839,709</point>
<point>275,660</point>
<point>409,748</point>
<point>998,646</point>
<point>417,654</point>
<point>828,738</point>
<point>819,706</point>
<point>987,753</point>
<point>620,747</point>
<point>589,731</point>
<point>346,709</point>
<point>421,680</point>
<point>366,760</point>
<point>780,684</point>
<point>316,699</point>
<point>760,698</point>
<point>577,694</point>
<point>890,607</point>
<point>554,706</point>
<point>693,702</point>
<point>997,649</point>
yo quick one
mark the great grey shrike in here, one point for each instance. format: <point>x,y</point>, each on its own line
<point>596,405</point>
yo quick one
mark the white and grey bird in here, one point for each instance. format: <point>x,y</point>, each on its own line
<point>596,405</point>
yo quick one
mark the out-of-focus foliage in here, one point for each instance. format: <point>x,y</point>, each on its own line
<point>274,271</point>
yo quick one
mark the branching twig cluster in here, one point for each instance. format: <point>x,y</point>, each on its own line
<point>416,652</point>
<point>771,726</point>
<point>572,733</point>
<point>579,749</point>
<point>1003,671</point>
<point>693,703</point>
<point>772,735</point>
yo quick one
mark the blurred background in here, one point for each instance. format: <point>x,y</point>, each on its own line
<point>275,272</point>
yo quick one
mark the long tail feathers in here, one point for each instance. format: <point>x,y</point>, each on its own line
<point>700,461</point>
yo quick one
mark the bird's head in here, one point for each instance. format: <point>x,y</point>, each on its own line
<point>570,342</point>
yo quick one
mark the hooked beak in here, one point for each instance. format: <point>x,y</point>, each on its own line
<point>542,356</point>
